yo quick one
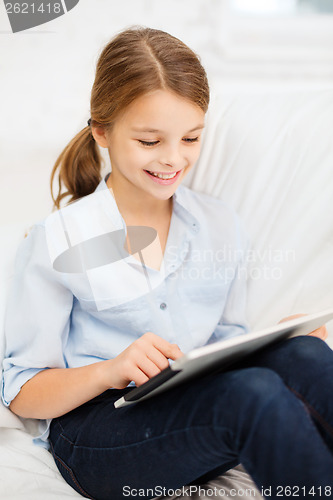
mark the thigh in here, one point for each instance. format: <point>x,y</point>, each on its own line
<point>168,441</point>
<point>304,363</point>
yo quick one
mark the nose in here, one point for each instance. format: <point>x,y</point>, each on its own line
<point>172,157</point>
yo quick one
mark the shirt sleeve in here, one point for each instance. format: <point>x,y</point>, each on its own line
<point>233,320</point>
<point>37,316</point>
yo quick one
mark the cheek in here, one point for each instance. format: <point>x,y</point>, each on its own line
<point>194,154</point>
<point>141,157</point>
<point>134,158</point>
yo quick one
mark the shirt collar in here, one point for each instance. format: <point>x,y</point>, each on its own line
<point>183,205</point>
<point>185,209</point>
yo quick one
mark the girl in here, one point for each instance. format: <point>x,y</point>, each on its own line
<point>95,320</point>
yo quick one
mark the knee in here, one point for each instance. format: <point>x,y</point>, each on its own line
<point>256,396</point>
<point>253,388</point>
<point>307,349</point>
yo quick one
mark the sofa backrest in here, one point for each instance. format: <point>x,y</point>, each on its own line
<point>271,158</point>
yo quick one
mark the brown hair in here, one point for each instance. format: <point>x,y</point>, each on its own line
<point>136,61</point>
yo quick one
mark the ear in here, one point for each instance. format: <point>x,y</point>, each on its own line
<point>99,134</point>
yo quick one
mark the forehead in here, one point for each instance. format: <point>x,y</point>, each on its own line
<point>161,110</point>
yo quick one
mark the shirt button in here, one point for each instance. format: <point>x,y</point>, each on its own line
<point>163,306</point>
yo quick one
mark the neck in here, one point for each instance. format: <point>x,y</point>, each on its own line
<point>135,204</point>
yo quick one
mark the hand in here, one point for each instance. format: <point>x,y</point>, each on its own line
<point>321,332</point>
<point>145,357</point>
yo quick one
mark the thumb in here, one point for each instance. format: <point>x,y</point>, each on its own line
<point>294,316</point>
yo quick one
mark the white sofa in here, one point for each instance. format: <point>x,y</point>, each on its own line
<point>271,157</point>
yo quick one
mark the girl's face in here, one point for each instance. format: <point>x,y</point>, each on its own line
<point>154,144</point>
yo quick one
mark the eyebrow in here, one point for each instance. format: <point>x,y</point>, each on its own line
<point>153,130</point>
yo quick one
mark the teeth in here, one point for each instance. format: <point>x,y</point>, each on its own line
<point>163,176</point>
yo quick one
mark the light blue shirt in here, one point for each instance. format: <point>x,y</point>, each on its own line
<point>57,319</point>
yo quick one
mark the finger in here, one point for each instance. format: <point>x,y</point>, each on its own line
<point>158,358</point>
<point>139,377</point>
<point>169,350</point>
<point>175,352</point>
<point>321,333</point>
<point>288,318</point>
<point>147,366</point>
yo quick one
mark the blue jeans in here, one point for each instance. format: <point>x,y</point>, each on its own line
<point>272,413</point>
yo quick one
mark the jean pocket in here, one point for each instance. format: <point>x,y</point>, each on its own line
<point>68,474</point>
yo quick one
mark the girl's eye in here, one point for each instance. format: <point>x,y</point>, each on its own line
<point>153,143</point>
<point>147,143</point>
<point>192,140</point>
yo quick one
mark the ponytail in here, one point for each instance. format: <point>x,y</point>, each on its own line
<point>79,167</point>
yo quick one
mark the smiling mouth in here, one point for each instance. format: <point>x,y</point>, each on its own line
<point>163,176</point>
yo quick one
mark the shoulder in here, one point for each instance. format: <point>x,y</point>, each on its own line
<point>85,218</point>
<point>54,226</point>
<point>76,209</point>
<point>84,209</point>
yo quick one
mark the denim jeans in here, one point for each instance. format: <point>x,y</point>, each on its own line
<point>273,413</point>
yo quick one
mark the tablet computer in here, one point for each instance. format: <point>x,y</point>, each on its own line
<point>221,355</point>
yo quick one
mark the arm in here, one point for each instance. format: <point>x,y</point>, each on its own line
<point>52,393</point>
<point>56,391</point>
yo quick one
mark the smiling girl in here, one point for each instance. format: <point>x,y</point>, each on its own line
<point>90,330</point>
